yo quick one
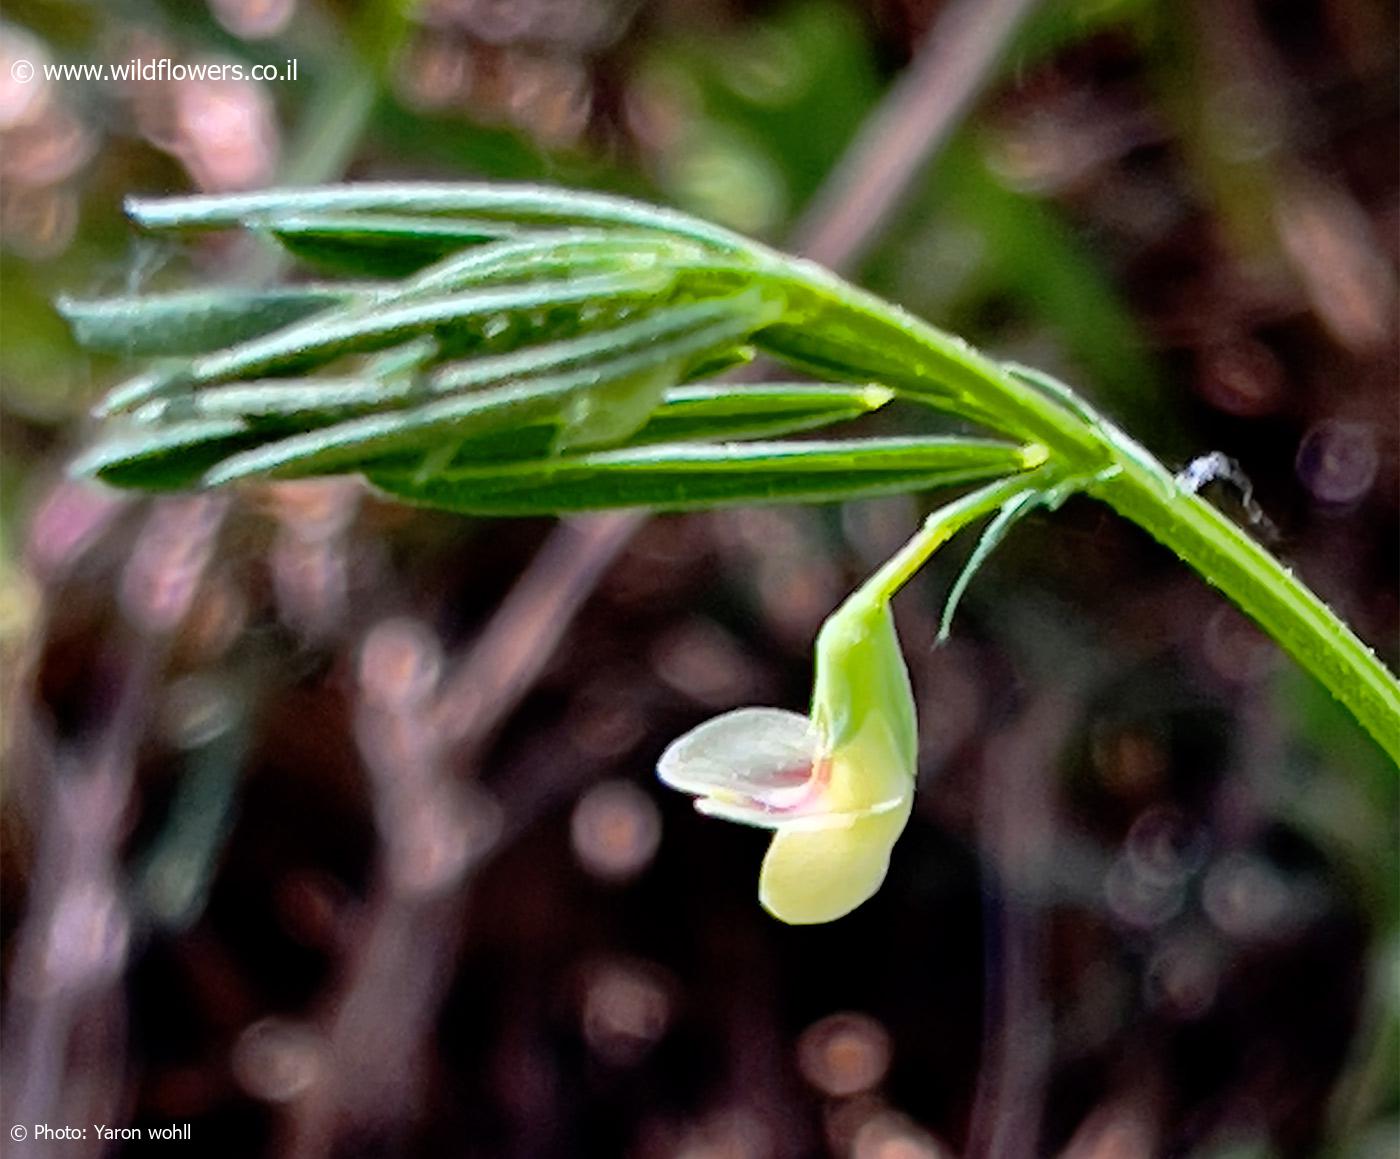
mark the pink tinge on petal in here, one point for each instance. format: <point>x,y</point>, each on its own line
<point>803,795</point>
<point>785,798</point>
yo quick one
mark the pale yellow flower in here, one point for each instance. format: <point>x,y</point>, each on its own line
<point>836,787</point>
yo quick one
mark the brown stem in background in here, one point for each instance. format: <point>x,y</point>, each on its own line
<point>65,1015</point>
<point>378,1029</point>
<point>1017,827</point>
<point>501,667</point>
<point>1271,196</point>
<point>950,70</point>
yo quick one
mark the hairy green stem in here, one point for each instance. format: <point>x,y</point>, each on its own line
<point>1121,473</point>
<point>1273,596</point>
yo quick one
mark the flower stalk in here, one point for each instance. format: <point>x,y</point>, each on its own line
<point>1117,470</point>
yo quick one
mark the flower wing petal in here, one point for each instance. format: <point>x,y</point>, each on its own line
<point>752,765</point>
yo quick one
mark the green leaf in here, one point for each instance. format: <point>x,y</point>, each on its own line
<point>610,411</point>
<point>309,425</point>
<point>473,318</point>
<point>552,254</point>
<point>685,413</point>
<point>1013,510</point>
<point>386,383</point>
<point>702,413</point>
<point>181,453</point>
<point>688,476</point>
<point>380,246</point>
<point>469,316</point>
<point>524,204</point>
<point>697,413</point>
<point>167,458</point>
<point>282,403</point>
<point>425,429</point>
<point>741,313</point>
<point>197,321</point>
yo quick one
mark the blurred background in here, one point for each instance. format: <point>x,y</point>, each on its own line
<point>330,827</point>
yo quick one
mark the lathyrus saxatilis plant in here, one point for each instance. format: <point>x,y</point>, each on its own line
<point>517,350</point>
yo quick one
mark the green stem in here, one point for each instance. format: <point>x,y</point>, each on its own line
<point>1273,596</point>
<point>943,524</point>
<point>1120,472</point>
